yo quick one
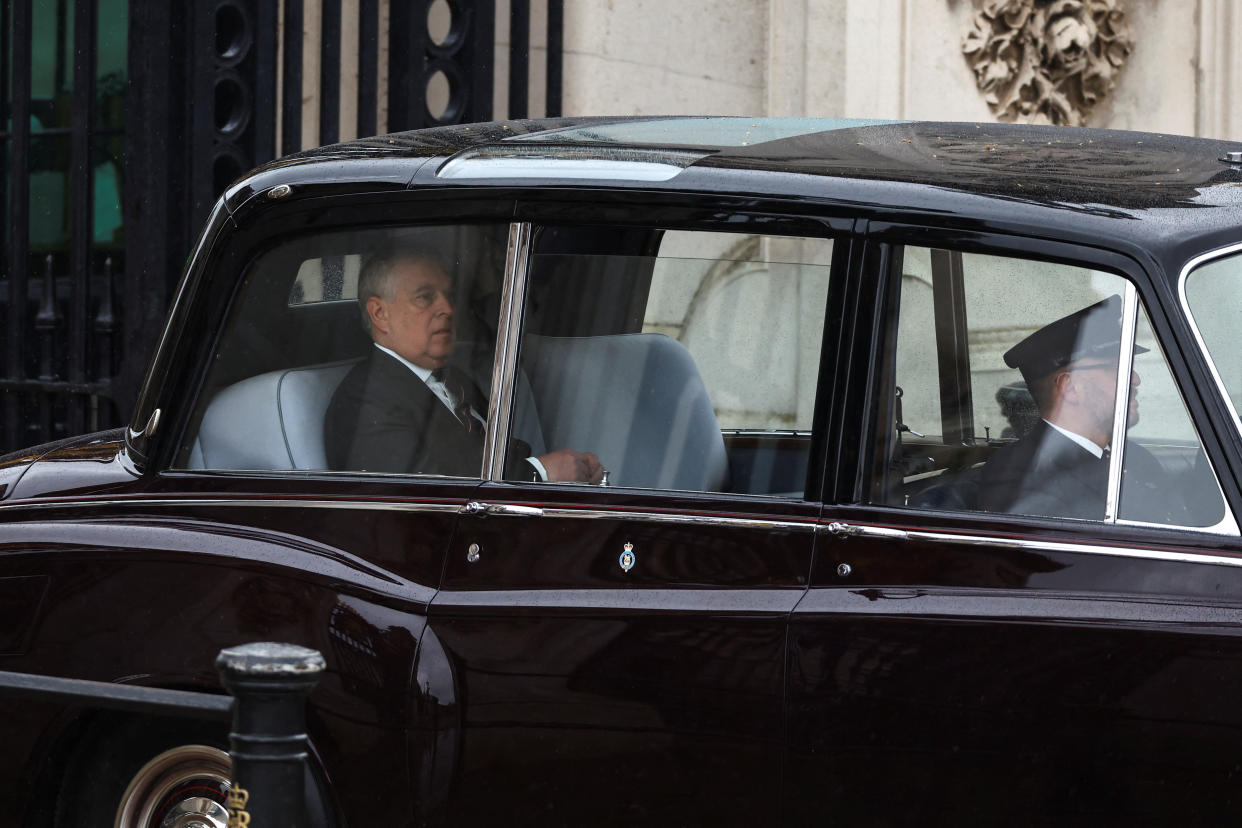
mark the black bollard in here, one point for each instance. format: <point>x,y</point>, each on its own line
<point>269,683</point>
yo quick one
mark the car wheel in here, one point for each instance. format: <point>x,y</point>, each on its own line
<point>182,787</point>
<point>131,772</point>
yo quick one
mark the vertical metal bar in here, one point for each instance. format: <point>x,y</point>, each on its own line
<point>6,21</point>
<point>519,58</point>
<point>368,72</point>
<point>159,187</point>
<point>957,409</point>
<point>399,61</point>
<point>45,324</point>
<point>477,58</point>
<point>407,59</point>
<point>58,71</point>
<point>104,326</point>
<point>265,49</point>
<point>508,337</point>
<point>81,189</point>
<point>556,53</point>
<point>19,213</point>
<point>291,88</point>
<point>330,72</point>
<point>1121,402</point>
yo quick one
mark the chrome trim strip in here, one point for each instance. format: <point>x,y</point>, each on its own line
<point>512,510</point>
<point>1121,402</point>
<point>286,503</point>
<point>1046,606</point>
<point>443,508</point>
<point>843,531</point>
<point>1194,326</point>
<point>689,520</point>
<point>889,533</point>
<point>764,601</point>
<point>509,330</point>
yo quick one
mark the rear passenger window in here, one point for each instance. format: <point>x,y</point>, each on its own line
<point>682,360</point>
<point>300,382</point>
<point>1006,374</point>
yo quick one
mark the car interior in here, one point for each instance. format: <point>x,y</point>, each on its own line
<point>590,376</point>
<point>952,402</point>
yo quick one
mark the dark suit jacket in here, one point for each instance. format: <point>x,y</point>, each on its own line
<point>1045,473</point>
<point>383,418</point>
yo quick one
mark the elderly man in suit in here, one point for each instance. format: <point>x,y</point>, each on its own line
<point>1061,467</point>
<point>405,409</point>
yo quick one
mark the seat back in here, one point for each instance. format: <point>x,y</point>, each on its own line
<point>635,400</point>
<point>270,421</point>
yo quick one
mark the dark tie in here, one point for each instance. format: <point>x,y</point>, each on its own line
<point>461,408</point>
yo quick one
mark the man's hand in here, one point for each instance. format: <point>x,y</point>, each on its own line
<point>569,466</point>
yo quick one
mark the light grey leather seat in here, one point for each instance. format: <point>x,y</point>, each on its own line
<point>269,421</point>
<point>275,420</point>
<point>637,401</point>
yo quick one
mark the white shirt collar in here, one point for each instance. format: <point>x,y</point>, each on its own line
<point>1080,440</point>
<point>423,373</point>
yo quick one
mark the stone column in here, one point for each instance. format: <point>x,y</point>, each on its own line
<point>1219,69</point>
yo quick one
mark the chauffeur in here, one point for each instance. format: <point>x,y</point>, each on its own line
<point>1061,467</point>
<point>405,409</point>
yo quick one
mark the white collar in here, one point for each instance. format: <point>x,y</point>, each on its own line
<point>1080,440</point>
<point>423,373</point>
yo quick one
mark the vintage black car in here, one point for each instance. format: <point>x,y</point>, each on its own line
<point>796,597</point>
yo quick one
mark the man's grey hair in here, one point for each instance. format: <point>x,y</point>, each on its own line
<point>375,277</point>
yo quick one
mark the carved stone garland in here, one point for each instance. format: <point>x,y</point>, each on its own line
<point>1047,61</point>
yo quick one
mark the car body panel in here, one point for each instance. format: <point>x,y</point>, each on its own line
<point>761,658</point>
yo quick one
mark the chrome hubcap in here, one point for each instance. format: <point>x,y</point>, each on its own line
<point>180,788</point>
<point>196,812</point>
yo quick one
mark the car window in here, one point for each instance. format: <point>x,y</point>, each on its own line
<point>1005,375</point>
<point>1214,295</point>
<point>682,360</point>
<point>308,377</point>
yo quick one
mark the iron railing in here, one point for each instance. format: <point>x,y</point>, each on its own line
<point>202,106</point>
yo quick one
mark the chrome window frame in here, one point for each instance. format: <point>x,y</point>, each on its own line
<point>508,339</point>
<point>1121,413</point>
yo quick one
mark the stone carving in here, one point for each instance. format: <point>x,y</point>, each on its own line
<point>1047,61</point>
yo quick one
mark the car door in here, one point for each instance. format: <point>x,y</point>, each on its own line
<point>618,650</point>
<point>280,536</point>
<point>958,661</point>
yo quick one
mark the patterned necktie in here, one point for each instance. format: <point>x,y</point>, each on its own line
<point>461,408</point>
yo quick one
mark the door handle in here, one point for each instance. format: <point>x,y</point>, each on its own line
<point>510,509</point>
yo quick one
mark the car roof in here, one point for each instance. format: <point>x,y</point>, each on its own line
<point>1147,190</point>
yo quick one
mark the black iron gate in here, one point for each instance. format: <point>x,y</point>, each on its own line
<point>212,89</point>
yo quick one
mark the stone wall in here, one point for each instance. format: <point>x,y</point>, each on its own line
<point>877,58</point>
